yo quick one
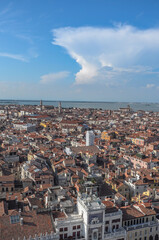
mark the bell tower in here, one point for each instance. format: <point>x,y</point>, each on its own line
<point>41,105</point>
<point>59,107</point>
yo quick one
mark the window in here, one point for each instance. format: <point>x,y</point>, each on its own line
<point>107,222</point>
<point>65,235</point>
<point>146,219</point>
<point>65,229</point>
<point>152,218</point>
<point>145,231</point>
<point>78,233</point>
<point>74,234</point>
<point>14,219</point>
<point>74,227</point>
<point>106,229</point>
<point>95,235</point>
<point>78,226</point>
<point>61,229</point>
<point>135,234</point>
<point>150,229</point>
<point>115,220</point>
<point>61,236</point>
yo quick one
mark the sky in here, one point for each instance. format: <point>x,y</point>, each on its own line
<point>82,50</point>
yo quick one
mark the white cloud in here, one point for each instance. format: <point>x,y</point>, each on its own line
<point>102,53</point>
<point>52,77</point>
<point>13,56</point>
<point>150,85</point>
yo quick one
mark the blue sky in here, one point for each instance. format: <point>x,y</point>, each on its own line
<point>95,50</point>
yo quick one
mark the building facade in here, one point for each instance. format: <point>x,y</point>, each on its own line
<point>90,138</point>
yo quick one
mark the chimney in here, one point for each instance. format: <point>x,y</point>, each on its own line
<point>19,211</point>
<point>151,156</point>
<point>21,221</point>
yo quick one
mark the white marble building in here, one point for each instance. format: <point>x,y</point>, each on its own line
<point>94,220</point>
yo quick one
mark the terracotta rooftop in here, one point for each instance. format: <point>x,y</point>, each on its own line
<point>33,223</point>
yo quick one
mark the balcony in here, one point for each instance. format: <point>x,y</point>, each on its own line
<point>72,219</point>
<point>143,225</point>
<point>117,233</point>
<point>118,213</point>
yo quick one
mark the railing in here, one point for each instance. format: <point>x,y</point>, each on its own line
<point>61,221</point>
<point>85,203</point>
<point>52,236</point>
<point>117,233</point>
<point>142,225</point>
<point>113,214</point>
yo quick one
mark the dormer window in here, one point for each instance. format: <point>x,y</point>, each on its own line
<point>14,219</point>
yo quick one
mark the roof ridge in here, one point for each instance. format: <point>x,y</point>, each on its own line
<point>138,208</point>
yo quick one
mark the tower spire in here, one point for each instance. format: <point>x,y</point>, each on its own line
<point>59,107</point>
<point>41,105</point>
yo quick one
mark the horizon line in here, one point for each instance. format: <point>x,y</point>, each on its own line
<point>86,101</point>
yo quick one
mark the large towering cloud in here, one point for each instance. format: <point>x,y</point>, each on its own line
<point>103,53</point>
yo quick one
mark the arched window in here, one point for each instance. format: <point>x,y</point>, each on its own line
<point>156,237</point>
<point>95,235</point>
<point>151,238</point>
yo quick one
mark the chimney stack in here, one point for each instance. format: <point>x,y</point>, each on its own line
<point>21,221</point>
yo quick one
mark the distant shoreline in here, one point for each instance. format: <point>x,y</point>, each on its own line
<point>76,101</point>
<point>135,106</point>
